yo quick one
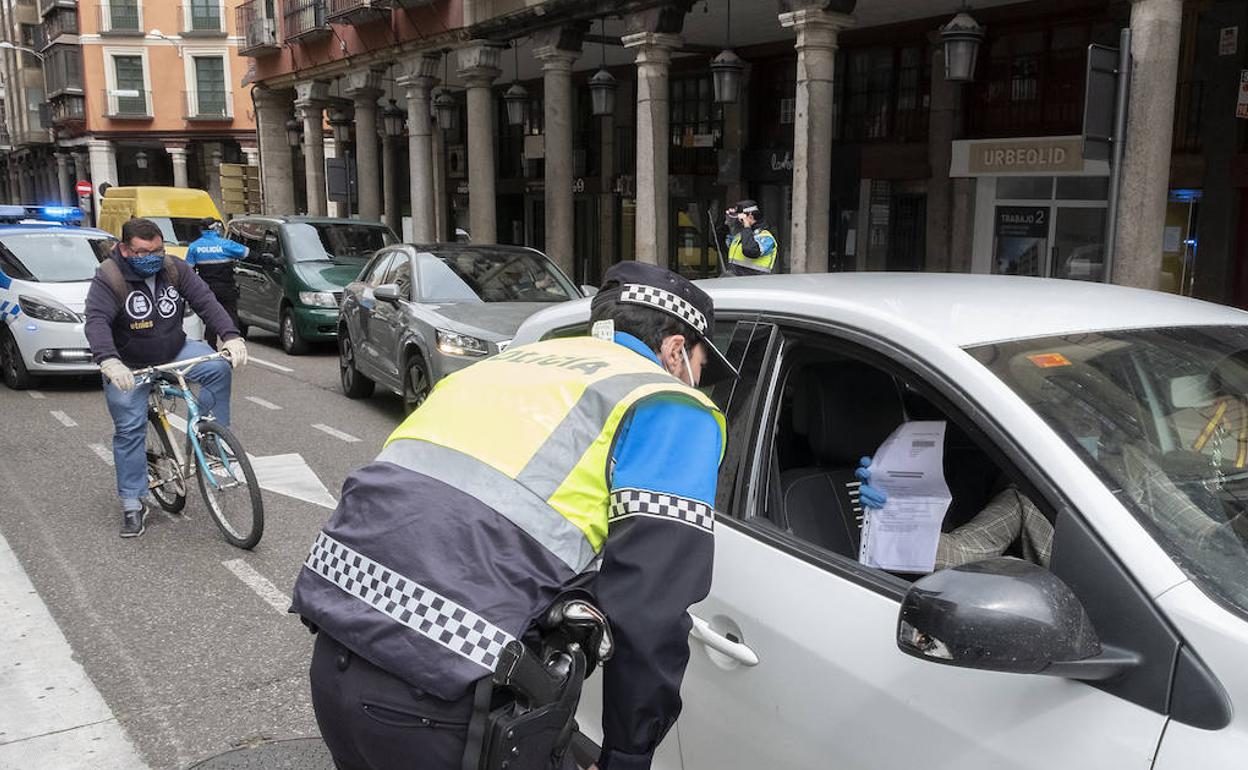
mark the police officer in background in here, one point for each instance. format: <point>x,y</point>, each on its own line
<point>213,257</point>
<point>584,463</point>
<point>752,249</point>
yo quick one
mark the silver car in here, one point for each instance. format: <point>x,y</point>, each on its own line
<point>417,313</point>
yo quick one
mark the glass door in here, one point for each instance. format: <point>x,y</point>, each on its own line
<point>1079,243</point>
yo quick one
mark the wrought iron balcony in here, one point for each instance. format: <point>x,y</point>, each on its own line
<point>304,20</point>
<point>127,104</point>
<point>358,11</point>
<point>259,31</point>
<point>208,105</point>
<point>68,108</point>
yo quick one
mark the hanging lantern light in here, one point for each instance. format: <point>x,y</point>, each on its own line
<point>392,117</point>
<point>517,97</point>
<point>602,85</point>
<point>447,109</point>
<point>140,160</point>
<point>962,37</point>
<point>294,132</point>
<point>726,69</point>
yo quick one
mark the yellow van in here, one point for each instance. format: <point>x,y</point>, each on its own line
<point>176,210</point>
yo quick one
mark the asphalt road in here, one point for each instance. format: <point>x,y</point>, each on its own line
<point>182,634</point>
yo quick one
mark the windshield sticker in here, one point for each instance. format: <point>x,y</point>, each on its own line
<point>1049,360</point>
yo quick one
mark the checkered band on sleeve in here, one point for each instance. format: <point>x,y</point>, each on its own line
<point>421,609</point>
<point>641,502</point>
<point>666,301</point>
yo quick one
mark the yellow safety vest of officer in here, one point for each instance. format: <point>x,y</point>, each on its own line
<point>572,464</point>
<point>752,249</point>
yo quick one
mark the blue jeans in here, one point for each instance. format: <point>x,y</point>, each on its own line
<point>129,412</point>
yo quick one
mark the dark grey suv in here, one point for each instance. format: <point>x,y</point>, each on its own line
<point>419,312</point>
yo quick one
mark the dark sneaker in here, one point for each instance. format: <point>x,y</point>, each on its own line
<point>132,522</point>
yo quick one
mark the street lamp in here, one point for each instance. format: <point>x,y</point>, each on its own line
<point>6,45</point>
<point>517,97</point>
<point>392,117</point>
<point>726,68</point>
<point>962,37</point>
<point>294,132</point>
<point>448,110</point>
<point>602,85</point>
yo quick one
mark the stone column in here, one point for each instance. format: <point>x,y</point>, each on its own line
<point>212,169</point>
<point>310,101</point>
<point>62,180</point>
<point>557,49</point>
<point>80,173</point>
<point>390,190</point>
<point>15,184</point>
<point>441,199</point>
<point>103,158</point>
<point>654,54</point>
<point>418,75</point>
<point>364,88</point>
<point>177,154</point>
<point>1155,28</point>
<point>478,66</point>
<point>817,32</point>
<point>252,154</point>
<point>273,109</point>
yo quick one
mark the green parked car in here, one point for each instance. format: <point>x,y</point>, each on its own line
<point>292,278</point>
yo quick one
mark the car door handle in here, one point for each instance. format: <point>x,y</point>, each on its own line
<point>703,632</point>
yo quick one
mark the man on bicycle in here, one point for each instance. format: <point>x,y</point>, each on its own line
<point>134,319</point>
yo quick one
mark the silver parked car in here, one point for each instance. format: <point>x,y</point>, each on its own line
<point>418,313</point>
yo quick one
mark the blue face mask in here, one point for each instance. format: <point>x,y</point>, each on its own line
<point>146,266</point>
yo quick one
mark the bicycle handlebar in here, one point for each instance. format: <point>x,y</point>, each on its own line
<point>178,367</point>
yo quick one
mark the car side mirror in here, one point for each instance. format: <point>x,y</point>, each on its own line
<point>588,291</point>
<point>388,292</point>
<point>1007,615</point>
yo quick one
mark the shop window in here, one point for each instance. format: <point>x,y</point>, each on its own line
<point>885,94</point>
<point>1082,188</point>
<point>697,126</point>
<point>773,102</point>
<point>1025,188</point>
<point>1031,83</point>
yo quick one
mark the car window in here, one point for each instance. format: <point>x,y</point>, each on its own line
<point>338,241</point>
<point>484,275</point>
<point>400,274</point>
<point>374,276</point>
<point>1161,416</point>
<point>178,231</point>
<point>835,404</point>
<point>53,257</point>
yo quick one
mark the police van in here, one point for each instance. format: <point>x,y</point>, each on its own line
<point>47,261</point>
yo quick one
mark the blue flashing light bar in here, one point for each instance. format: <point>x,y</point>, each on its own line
<point>41,214</point>
<point>59,213</point>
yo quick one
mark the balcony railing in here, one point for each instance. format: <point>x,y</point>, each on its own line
<point>202,20</point>
<point>358,11</point>
<point>259,32</point>
<point>127,104</point>
<point>45,6</point>
<point>63,22</point>
<point>208,105</point>
<point>68,108</point>
<point>118,19</point>
<point>304,20</point>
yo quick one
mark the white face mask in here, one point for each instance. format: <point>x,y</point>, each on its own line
<point>688,368</point>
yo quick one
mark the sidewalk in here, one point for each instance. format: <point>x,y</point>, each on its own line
<point>51,715</point>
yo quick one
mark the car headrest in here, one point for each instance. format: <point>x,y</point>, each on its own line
<point>845,410</point>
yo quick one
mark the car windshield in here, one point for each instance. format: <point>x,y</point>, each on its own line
<point>1161,415</point>
<point>338,241</point>
<point>53,257</point>
<point>486,276</point>
<point>178,231</point>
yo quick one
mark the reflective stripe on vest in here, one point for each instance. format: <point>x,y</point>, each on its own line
<point>562,402</point>
<point>766,261</point>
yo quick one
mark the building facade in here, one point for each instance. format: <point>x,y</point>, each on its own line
<point>861,152</point>
<point>141,92</point>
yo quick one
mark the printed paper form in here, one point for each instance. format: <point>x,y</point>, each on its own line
<point>909,467</point>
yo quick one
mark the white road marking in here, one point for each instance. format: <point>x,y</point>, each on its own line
<point>36,395</point>
<point>102,452</point>
<point>53,716</point>
<point>258,583</point>
<point>347,437</point>
<point>290,475</point>
<point>263,403</point>
<point>269,364</point>
<point>65,419</point>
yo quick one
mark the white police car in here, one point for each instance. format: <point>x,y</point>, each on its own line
<point>46,267</point>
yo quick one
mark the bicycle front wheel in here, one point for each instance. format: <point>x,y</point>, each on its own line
<point>229,486</point>
<point>163,479</point>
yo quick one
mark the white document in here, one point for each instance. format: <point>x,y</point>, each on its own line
<point>909,467</point>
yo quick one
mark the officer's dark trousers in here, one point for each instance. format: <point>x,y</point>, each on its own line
<point>372,720</point>
<point>220,278</point>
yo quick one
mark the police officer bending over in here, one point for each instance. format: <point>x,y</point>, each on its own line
<point>213,257</point>
<point>752,249</point>
<point>584,463</point>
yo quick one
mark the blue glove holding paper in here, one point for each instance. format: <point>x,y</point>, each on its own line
<point>871,497</point>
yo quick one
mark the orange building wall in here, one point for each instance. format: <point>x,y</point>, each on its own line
<point>166,70</point>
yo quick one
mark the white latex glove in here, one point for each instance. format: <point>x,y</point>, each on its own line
<point>117,373</point>
<point>235,350</point>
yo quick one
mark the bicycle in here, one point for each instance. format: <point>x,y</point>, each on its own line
<point>210,453</point>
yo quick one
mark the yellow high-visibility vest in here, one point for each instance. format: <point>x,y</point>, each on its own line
<point>529,432</point>
<point>766,262</point>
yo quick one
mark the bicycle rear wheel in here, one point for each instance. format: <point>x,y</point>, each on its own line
<point>163,479</point>
<point>229,486</point>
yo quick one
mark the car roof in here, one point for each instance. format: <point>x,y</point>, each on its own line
<point>50,227</point>
<point>953,309</point>
<point>296,218</point>
<point>457,247</point>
